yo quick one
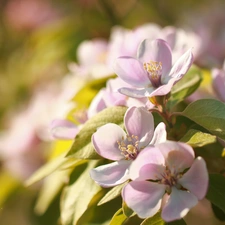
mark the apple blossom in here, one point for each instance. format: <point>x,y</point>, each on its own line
<point>152,73</point>
<point>166,176</point>
<point>218,82</point>
<point>113,143</point>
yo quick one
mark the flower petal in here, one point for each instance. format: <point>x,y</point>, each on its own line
<point>136,93</point>
<point>218,83</point>
<point>178,205</point>
<point>139,122</point>
<point>157,50</point>
<point>178,155</point>
<point>159,134</point>
<point>149,164</point>
<point>182,65</point>
<point>63,129</point>
<point>163,89</point>
<point>196,178</point>
<point>131,71</point>
<point>97,104</point>
<point>111,174</point>
<point>105,141</point>
<point>143,197</point>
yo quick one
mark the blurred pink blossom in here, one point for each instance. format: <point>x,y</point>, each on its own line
<point>29,14</point>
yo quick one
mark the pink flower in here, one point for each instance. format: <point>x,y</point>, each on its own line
<point>160,180</point>
<point>63,129</point>
<point>113,143</point>
<point>109,96</point>
<point>218,82</point>
<point>152,73</point>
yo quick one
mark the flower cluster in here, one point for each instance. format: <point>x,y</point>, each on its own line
<point>164,175</point>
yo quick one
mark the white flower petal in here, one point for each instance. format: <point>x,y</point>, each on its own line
<point>112,174</point>
<point>105,141</point>
<point>143,197</point>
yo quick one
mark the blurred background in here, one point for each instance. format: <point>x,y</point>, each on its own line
<point>38,43</point>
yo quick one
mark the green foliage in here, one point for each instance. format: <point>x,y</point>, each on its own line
<point>218,213</point>
<point>50,167</point>
<point>197,138</point>
<point>52,185</point>
<point>128,212</point>
<point>185,87</point>
<point>216,191</point>
<point>157,220</point>
<point>82,147</point>
<point>208,113</point>
<point>84,96</point>
<point>119,218</point>
<point>78,195</point>
<point>112,194</point>
<point>9,185</point>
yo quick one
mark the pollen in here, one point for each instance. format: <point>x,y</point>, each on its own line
<point>170,179</point>
<point>154,70</point>
<point>129,147</point>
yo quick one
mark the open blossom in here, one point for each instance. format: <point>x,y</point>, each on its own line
<point>166,176</point>
<point>112,142</point>
<point>218,82</point>
<point>109,96</point>
<point>151,73</point>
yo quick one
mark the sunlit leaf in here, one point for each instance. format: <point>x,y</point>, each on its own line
<point>186,86</point>
<point>197,138</point>
<point>50,167</point>
<point>119,218</point>
<point>155,220</point>
<point>78,195</point>
<point>9,184</point>
<point>128,212</point>
<point>209,113</point>
<point>84,97</point>
<point>112,194</point>
<point>82,147</point>
<point>50,188</point>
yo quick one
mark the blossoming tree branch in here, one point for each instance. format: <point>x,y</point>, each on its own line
<point>140,145</point>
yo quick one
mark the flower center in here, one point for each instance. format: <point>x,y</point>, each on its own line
<point>154,70</point>
<point>129,147</point>
<point>170,179</point>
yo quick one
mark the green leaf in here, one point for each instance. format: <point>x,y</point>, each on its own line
<point>155,220</point>
<point>128,212</point>
<point>208,113</point>
<point>82,147</point>
<point>197,138</point>
<point>84,97</point>
<point>218,213</point>
<point>185,87</point>
<point>216,191</point>
<point>78,195</point>
<point>9,185</point>
<point>112,194</point>
<point>50,189</point>
<point>119,218</point>
<point>49,168</point>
